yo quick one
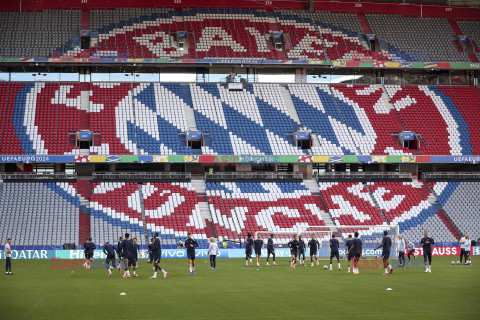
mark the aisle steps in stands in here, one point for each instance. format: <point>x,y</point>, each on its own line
<point>84,193</point>
<point>312,185</point>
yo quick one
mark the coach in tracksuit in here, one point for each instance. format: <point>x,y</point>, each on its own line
<point>401,251</point>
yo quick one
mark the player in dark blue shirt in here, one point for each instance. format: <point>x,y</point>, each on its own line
<point>349,251</point>
<point>248,249</point>
<point>150,251</point>
<point>386,246</point>
<point>301,250</point>
<point>271,250</point>
<point>138,250</point>
<point>190,245</point>
<point>357,252</point>
<point>156,256</point>
<point>88,249</point>
<point>110,252</point>
<point>258,244</point>
<point>314,245</point>
<point>334,245</point>
<point>129,253</point>
<point>427,243</point>
<point>120,255</point>
<point>294,244</point>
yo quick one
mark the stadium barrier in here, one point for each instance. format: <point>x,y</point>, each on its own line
<point>203,253</point>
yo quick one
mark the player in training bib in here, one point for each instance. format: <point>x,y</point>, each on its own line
<point>386,246</point>
<point>334,245</point>
<point>190,245</point>
<point>270,250</point>
<point>313,244</point>
<point>258,244</point>
<point>248,249</point>
<point>427,243</point>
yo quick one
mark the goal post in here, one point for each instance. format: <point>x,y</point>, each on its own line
<point>371,237</point>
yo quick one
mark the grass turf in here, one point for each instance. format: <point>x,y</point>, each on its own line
<point>37,291</point>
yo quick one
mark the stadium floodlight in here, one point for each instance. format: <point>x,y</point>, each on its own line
<point>371,237</point>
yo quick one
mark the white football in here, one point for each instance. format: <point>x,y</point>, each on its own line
<point>458,262</point>
<point>453,263</point>
<point>325,267</point>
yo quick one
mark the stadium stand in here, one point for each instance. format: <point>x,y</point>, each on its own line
<point>241,207</point>
<point>471,29</point>
<point>115,209</point>
<point>408,205</point>
<point>47,216</point>
<point>253,121</point>
<point>39,116</point>
<point>416,39</point>
<point>48,33</point>
<point>453,196</point>
<point>134,32</point>
<point>171,208</point>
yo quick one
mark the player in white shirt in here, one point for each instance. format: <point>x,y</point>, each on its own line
<point>401,251</point>
<point>468,245</point>
<point>462,247</point>
<point>8,257</point>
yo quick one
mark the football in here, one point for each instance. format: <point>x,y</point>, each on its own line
<point>453,263</point>
<point>458,262</point>
<point>325,267</point>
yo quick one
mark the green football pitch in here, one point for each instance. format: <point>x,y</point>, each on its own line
<point>38,291</point>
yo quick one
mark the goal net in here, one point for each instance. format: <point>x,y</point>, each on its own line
<point>371,237</point>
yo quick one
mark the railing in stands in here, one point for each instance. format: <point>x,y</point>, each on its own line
<point>267,176</point>
<point>38,176</point>
<point>147,176</point>
<point>451,176</point>
<point>363,176</point>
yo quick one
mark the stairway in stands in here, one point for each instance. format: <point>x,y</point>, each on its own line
<point>312,185</point>
<point>84,192</point>
<point>200,188</point>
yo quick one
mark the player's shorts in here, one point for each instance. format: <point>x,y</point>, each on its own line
<point>271,251</point>
<point>88,255</point>
<point>401,254</point>
<point>313,253</point>
<point>301,252</point>
<point>258,252</point>
<point>334,254</point>
<point>156,257</point>
<point>386,255</point>
<point>427,255</point>
<point>467,253</point>
<point>191,255</point>
<point>248,252</point>
<point>132,262</point>
<point>293,252</point>
<point>350,256</point>
<point>110,261</point>
<point>462,252</point>
<point>356,255</point>
<point>411,252</point>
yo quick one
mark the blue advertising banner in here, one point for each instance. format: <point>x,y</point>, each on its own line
<point>303,135</point>
<point>194,136</point>
<point>84,135</point>
<point>30,254</point>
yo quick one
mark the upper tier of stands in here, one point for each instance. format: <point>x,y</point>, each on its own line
<point>229,33</point>
<point>148,118</point>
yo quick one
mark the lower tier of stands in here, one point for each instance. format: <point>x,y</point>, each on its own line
<point>48,213</point>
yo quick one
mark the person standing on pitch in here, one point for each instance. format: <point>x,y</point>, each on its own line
<point>156,257</point>
<point>386,246</point>
<point>129,253</point>
<point>426,243</point>
<point>258,245</point>
<point>401,251</point>
<point>109,251</point>
<point>120,255</point>
<point>190,245</point>
<point>8,257</point>
<point>462,247</point>
<point>293,245</point>
<point>468,245</point>
<point>301,250</point>
<point>248,249</point>
<point>411,250</point>
<point>212,252</point>
<point>334,245</point>
<point>271,250</point>
<point>88,249</point>
<point>313,245</point>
